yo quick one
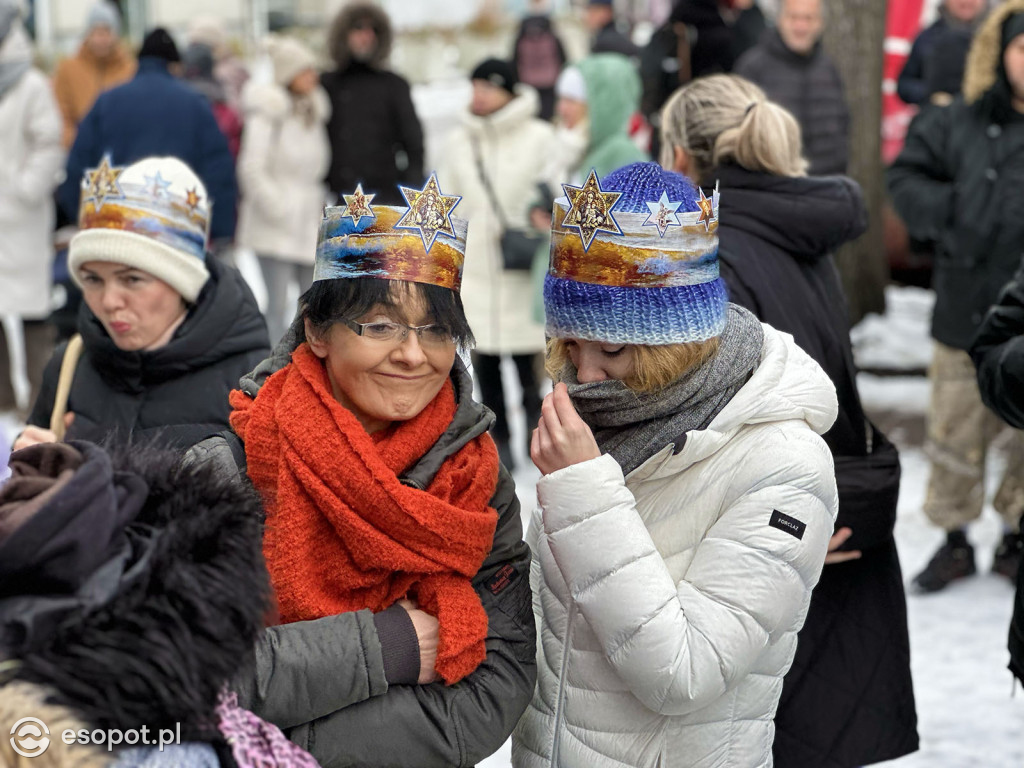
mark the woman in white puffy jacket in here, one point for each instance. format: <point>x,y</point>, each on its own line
<point>687,500</point>
<point>284,157</point>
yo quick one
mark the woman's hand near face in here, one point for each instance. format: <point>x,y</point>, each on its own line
<point>562,438</point>
<point>426,627</point>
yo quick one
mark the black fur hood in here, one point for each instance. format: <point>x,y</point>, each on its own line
<point>337,39</point>
<point>132,587</point>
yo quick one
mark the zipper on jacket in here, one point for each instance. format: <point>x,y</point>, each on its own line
<point>562,672</point>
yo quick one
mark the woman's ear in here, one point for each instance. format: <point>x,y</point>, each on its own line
<point>316,342</point>
<point>680,161</point>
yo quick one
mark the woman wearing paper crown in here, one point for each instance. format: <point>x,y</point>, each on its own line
<point>779,228</point>
<point>687,498</point>
<point>164,332</point>
<point>392,537</point>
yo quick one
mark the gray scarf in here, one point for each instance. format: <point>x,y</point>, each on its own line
<point>633,426</point>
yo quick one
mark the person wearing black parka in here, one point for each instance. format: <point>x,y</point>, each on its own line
<point>998,353</point>
<point>848,699</point>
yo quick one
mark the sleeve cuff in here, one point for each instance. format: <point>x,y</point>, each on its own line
<point>400,648</point>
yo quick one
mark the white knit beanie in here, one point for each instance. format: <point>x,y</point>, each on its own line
<point>571,85</point>
<point>153,215</point>
<point>290,58</point>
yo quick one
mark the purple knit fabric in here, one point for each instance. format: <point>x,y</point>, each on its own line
<point>254,742</point>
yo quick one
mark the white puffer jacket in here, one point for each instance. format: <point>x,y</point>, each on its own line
<point>513,146</point>
<point>31,166</point>
<point>281,167</point>
<point>668,603</point>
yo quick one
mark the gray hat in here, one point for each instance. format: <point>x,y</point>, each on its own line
<point>104,14</point>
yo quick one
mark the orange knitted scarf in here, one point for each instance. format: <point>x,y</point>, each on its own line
<point>344,534</point>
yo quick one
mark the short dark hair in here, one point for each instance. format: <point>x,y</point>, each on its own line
<point>327,300</point>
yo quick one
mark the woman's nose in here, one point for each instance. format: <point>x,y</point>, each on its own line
<point>112,298</point>
<point>409,350</point>
<point>589,370</point>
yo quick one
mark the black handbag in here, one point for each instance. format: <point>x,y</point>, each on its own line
<point>518,244</point>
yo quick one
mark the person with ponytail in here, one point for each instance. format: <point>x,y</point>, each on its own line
<point>778,230</point>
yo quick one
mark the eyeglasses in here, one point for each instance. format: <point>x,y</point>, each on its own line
<point>429,335</point>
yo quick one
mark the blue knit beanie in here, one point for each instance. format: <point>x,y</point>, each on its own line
<point>634,260</point>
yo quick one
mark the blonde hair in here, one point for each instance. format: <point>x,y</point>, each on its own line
<point>726,118</point>
<point>654,367</point>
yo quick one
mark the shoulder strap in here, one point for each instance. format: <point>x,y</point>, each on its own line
<point>72,354</point>
<point>237,448</point>
<point>487,183</point>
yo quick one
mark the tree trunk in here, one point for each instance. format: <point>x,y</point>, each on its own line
<point>854,37</point>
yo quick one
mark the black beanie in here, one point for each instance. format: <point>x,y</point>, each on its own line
<point>160,45</point>
<point>497,72</point>
<point>1012,27</point>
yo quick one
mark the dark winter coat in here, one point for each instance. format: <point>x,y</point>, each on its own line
<point>177,394</point>
<point>711,52</point>
<point>957,182</point>
<point>610,40</point>
<point>998,352</point>
<point>747,30</point>
<point>376,137</point>
<point>848,699</point>
<point>155,115</point>
<point>933,64</point>
<point>130,589</point>
<point>811,88</point>
<point>328,683</point>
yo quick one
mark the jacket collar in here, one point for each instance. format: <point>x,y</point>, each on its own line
<point>154,64</point>
<point>781,51</point>
<point>787,385</point>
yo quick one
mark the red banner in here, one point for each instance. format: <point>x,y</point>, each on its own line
<point>903,22</point>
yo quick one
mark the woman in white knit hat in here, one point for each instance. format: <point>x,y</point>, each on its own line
<point>281,166</point>
<point>164,332</point>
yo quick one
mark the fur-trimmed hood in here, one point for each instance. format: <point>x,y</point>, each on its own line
<point>337,39</point>
<point>984,62</point>
<point>135,590</point>
<point>274,102</point>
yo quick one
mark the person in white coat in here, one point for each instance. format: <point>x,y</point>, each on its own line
<point>284,157</point>
<point>496,159</point>
<point>687,498</point>
<point>31,168</point>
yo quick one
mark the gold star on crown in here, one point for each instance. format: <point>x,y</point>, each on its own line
<point>192,199</point>
<point>707,211</point>
<point>429,212</point>
<point>358,205</point>
<point>101,183</point>
<point>590,210</point>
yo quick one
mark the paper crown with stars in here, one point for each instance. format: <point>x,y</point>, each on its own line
<point>634,260</point>
<point>153,215</point>
<point>421,242</point>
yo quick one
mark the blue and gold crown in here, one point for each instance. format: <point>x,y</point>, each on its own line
<point>153,215</point>
<point>421,242</point>
<point>158,198</point>
<point>634,260</point>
